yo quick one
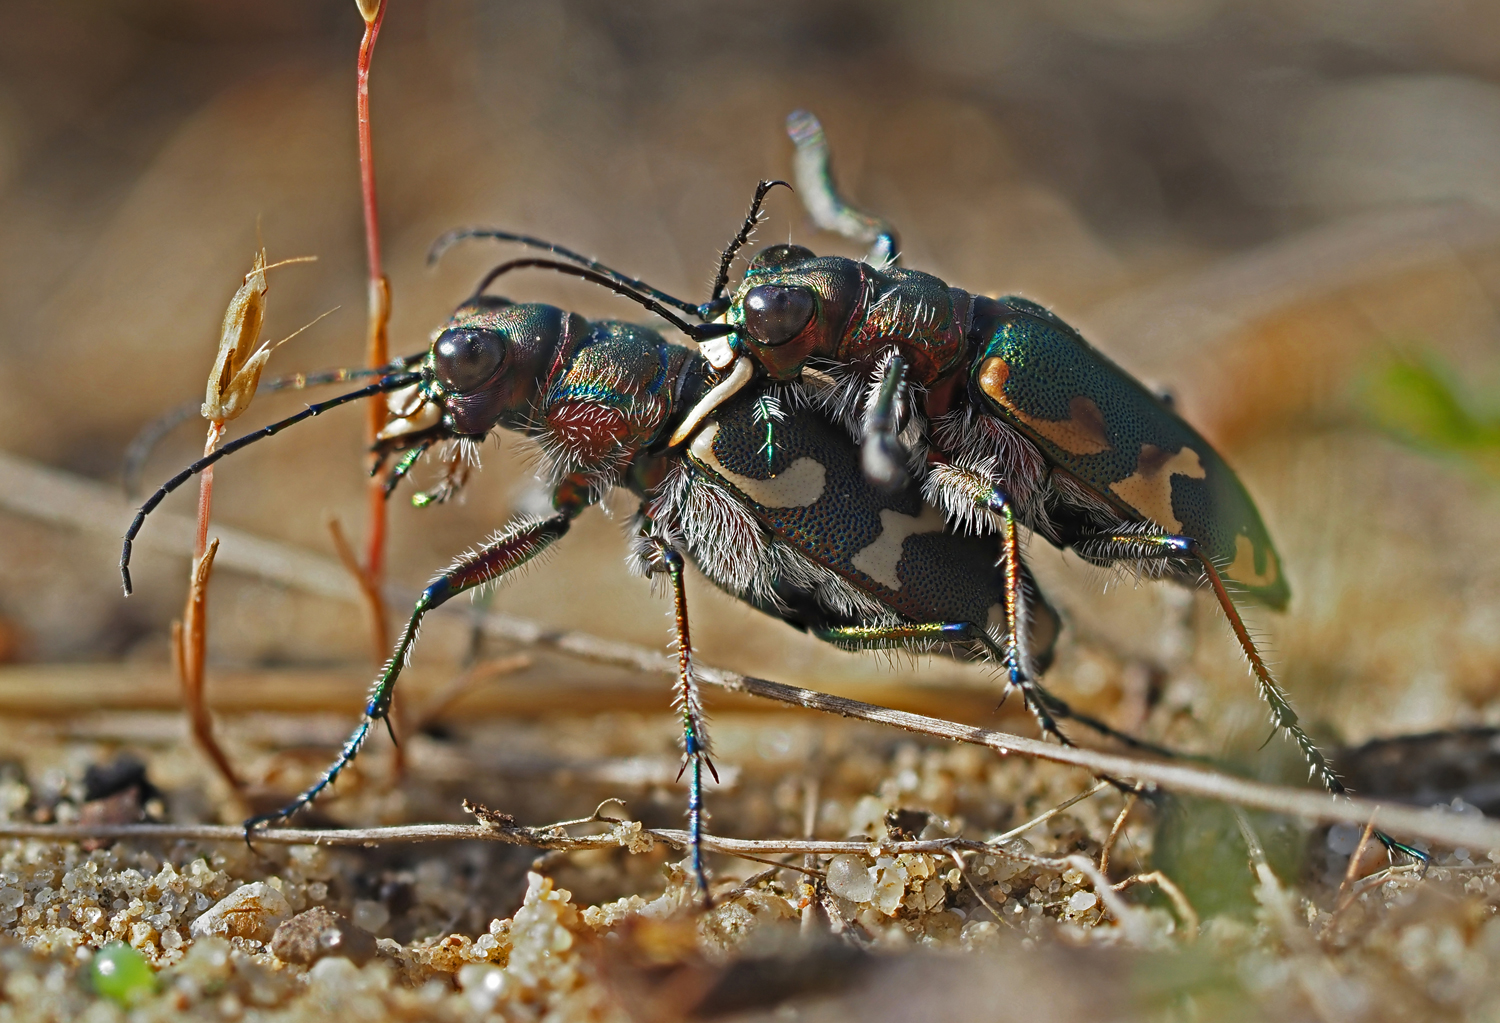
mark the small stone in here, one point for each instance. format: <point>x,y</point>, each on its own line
<point>483,984</point>
<point>318,933</point>
<point>370,915</point>
<point>1082,902</point>
<point>249,912</point>
<point>122,974</point>
<point>849,878</point>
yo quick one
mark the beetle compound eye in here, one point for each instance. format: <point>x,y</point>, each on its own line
<point>774,315</point>
<point>466,359</point>
<point>780,255</point>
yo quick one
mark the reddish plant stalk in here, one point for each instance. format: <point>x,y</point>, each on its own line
<point>377,348</point>
<point>190,635</point>
<point>206,490</point>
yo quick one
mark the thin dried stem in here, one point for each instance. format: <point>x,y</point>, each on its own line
<point>1114,832</point>
<point>1359,853</point>
<point>1169,887</point>
<point>189,638</point>
<point>455,690</point>
<point>964,873</point>
<point>369,588</point>
<point>1045,817</point>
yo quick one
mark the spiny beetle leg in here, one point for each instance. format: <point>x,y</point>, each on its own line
<point>696,748</point>
<point>915,634</point>
<point>1146,546</point>
<point>506,552</point>
<point>882,455</point>
<point>1169,546</point>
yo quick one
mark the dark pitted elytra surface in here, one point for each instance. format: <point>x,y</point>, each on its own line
<point>1099,424</point>
<point>848,525</point>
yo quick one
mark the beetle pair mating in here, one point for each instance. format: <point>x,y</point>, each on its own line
<point>853,450</point>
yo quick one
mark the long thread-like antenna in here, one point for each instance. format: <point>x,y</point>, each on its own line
<point>698,331</point>
<point>721,279</point>
<point>447,241</point>
<point>388,383</point>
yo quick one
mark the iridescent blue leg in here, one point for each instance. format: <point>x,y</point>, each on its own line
<point>914,635</point>
<point>696,748</point>
<point>508,551</point>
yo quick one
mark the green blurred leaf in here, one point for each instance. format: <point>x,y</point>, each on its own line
<point>1416,401</point>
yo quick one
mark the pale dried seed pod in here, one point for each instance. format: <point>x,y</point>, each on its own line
<point>236,372</point>
<point>368,9</point>
<point>239,364</point>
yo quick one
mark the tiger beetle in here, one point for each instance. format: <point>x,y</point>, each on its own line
<point>766,496</point>
<point>1001,410</point>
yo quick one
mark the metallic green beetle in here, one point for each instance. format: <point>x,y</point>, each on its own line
<point>1001,410</point>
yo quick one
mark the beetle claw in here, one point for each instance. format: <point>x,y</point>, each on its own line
<point>884,461</point>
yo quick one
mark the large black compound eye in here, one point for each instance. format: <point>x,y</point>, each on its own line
<point>774,314</point>
<point>464,359</point>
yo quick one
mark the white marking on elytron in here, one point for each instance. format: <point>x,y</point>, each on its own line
<point>722,392</point>
<point>797,486</point>
<point>879,559</point>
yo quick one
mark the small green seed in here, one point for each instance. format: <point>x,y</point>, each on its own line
<point>121,973</point>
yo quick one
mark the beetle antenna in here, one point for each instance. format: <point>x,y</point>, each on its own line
<point>698,332</point>
<point>738,241</point>
<point>391,382</point>
<point>447,241</point>
<point>144,442</point>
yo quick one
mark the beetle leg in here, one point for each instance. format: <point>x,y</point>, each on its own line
<point>695,743</point>
<point>1043,705</point>
<point>403,466</point>
<point>821,196</point>
<point>508,551</point>
<point>882,455</point>
<point>1282,714</point>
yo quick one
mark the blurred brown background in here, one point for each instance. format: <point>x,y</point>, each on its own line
<point>1254,204</point>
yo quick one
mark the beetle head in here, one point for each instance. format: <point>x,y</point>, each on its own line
<point>487,367</point>
<point>794,305</point>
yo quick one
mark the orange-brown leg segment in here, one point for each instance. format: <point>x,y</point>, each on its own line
<point>1283,716</point>
<point>689,703</point>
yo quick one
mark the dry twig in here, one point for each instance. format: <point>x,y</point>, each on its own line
<point>1169,887</point>
<point>1114,832</point>
<point>55,496</point>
